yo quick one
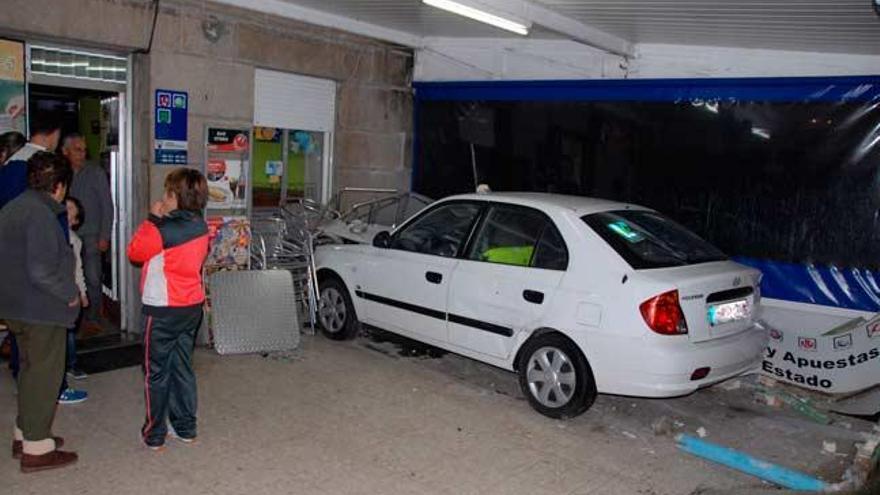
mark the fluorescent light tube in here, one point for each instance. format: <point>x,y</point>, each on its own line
<point>761,133</point>
<point>479,15</point>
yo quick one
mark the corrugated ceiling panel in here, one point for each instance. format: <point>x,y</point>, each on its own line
<point>847,26</point>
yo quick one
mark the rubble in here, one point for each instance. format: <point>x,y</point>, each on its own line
<point>777,397</point>
<point>745,463</point>
<point>662,426</point>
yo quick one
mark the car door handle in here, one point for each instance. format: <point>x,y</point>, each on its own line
<point>533,296</point>
<point>433,277</point>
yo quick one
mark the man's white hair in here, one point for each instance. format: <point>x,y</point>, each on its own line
<point>69,138</point>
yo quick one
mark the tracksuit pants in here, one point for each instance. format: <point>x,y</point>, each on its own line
<point>169,382</point>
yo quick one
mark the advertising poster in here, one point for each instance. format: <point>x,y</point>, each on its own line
<point>13,116</point>
<point>841,360</point>
<point>170,127</point>
<point>226,183</point>
<point>230,238</point>
<point>227,140</point>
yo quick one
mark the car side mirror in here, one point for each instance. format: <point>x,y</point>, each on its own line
<point>382,240</point>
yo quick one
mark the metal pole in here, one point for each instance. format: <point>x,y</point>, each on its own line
<point>474,166</point>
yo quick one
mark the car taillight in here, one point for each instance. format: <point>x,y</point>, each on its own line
<point>663,314</point>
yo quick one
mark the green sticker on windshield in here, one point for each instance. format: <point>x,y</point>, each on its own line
<point>623,229</point>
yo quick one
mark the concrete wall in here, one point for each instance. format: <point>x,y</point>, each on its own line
<point>374,107</point>
<point>444,59</point>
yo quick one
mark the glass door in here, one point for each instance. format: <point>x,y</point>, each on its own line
<point>287,165</point>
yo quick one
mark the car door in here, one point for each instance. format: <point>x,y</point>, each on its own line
<point>506,279</point>
<point>405,286</point>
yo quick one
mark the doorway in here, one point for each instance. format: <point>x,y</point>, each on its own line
<point>95,115</point>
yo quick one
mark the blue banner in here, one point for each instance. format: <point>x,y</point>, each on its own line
<point>170,127</point>
<point>802,89</point>
<point>849,288</point>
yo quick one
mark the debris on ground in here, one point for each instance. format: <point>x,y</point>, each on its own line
<point>830,447</point>
<point>730,412</point>
<point>284,356</point>
<point>864,403</point>
<point>867,459</point>
<point>803,405</point>
<point>662,426</point>
<point>745,463</point>
<point>731,385</point>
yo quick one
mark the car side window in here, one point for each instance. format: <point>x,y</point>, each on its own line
<point>509,236</point>
<point>440,232</point>
<point>551,253</point>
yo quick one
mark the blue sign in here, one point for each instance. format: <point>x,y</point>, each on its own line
<point>170,131</point>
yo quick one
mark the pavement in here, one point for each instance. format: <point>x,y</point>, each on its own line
<point>378,417</point>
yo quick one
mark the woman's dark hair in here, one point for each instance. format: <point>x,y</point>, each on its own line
<point>190,187</point>
<point>46,170</point>
<point>10,143</point>
<point>80,214</point>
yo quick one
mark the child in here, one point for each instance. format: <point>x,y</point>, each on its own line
<point>172,245</point>
<point>74,220</point>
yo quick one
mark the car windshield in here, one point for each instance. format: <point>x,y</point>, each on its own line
<point>647,239</point>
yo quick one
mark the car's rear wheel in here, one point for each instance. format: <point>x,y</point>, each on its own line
<point>336,314</point>
<point>555,376</point>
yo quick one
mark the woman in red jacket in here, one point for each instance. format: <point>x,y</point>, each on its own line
<point>172,244</point>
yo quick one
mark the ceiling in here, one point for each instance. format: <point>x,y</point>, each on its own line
<point>846,26</point>
<point>849,26</point>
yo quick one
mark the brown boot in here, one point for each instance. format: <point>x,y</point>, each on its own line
<point>17,446</point>
<point>52,460</point>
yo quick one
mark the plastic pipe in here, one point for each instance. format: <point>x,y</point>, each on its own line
<point>734,459</point>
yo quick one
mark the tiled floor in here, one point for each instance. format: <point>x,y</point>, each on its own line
<point>340,418</point>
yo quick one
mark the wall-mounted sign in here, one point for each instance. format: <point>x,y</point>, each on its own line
<point>12,94</point>
<point>842,360</point>
<point>170,127</point>
<point>227,140</point>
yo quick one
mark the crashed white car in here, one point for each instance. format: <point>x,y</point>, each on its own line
<point>579,296</point>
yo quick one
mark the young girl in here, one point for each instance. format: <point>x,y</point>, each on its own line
<point>74,220</point>
<point>172,245</point>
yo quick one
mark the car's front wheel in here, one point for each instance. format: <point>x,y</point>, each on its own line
<point>336,314</point>
<point>555,376</point>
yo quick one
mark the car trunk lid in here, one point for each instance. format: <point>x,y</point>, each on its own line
<point>717,299</point>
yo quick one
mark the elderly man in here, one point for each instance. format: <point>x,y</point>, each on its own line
<point>90,186</point>
<point>39,300</point>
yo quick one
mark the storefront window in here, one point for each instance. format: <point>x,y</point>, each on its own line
<point>287,164</point>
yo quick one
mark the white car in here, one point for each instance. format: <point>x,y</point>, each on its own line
<point>579,296</point>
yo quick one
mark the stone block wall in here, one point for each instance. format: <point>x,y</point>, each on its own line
<point>374,100</point>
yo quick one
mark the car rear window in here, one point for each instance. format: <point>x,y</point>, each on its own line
<point>647,239</point>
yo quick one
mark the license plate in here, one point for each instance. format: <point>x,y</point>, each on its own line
<point>729,312</point>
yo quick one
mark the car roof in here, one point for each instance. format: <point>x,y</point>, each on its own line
<point>579,205</point>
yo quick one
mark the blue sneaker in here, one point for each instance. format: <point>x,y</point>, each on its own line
<point>72,396</point>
